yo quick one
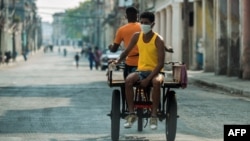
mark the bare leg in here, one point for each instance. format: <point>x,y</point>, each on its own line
<point>157,81</point>
<point>130,81</point>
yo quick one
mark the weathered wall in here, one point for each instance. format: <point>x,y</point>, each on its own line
<point>233,60</point>
<point>221,37</point>
<point>208,35</point>
<point>246,40</point>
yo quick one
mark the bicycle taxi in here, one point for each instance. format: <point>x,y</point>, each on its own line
<point>142,103</point>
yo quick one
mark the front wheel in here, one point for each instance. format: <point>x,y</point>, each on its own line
<point>140,119</point>
<point>171,116</point>
<point>115,115</point>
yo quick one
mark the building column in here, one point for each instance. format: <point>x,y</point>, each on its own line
<point>233,38</point>
<point>163,24</point>
<point>246,40</point>
<point>169,31</point>
<point>208,35</point>
<point>157,22</point>
<point>177,34</point>
<point>197,59</point>
<point>220,37</point>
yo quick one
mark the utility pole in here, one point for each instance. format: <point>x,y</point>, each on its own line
<point>98,23</point>
<point>185,45</point>
<point>14,53</point>
<point>1,27</point>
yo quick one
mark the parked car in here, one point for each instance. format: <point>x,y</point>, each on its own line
<point>108,55</point>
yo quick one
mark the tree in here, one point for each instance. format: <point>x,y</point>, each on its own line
<point>77,20</point>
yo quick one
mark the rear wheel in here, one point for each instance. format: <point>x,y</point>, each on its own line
<point>115,115</point>
<point>171,118</point>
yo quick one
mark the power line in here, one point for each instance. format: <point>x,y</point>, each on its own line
<point>73,16</point>
<point>60,8</point>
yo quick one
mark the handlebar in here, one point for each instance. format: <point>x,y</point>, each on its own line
<point>112,66</point>
<point>174,62</point>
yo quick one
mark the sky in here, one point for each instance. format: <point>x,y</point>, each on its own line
<point>46,8</point>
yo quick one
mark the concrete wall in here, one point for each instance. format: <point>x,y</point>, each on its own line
<point>170,28</point>
<point>233,36</point>
<point>208,35</point>
<point>246,40</point>
<point>197,35</point>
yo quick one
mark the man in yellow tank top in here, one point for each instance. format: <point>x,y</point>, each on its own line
<point>124,34</point>
<point>151,62</point>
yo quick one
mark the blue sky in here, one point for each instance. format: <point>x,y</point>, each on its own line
<point>46,8</point>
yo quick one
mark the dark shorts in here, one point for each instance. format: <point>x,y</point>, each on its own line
<point>128,69</point>
<point>145,74</point>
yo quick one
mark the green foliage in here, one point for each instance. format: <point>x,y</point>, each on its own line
<point>77,19</point>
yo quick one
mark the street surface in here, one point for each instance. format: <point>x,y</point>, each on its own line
<point>48,99</point>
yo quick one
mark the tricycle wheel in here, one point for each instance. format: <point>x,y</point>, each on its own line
<point>171,116</point>
<point>140,119</point>
<point>115,115</point>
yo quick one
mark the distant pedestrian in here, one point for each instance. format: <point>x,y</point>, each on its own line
<point>7,57</point>
<point>82,51</point>
<point>77,57</point>
<point>64,52</point>
<point>25,54</point>
<point>91,58</point>
<point>97,55</point>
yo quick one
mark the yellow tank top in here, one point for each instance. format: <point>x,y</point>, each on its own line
<point>147,54</point>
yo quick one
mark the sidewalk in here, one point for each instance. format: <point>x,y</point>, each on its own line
<point>233,85</point>
<point>20,59</point>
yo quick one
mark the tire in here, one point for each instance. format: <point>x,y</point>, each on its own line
<point>171,117</point>
<point>115,115</point>
<point>140,119</point>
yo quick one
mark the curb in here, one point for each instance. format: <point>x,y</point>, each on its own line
<point>232,90</point>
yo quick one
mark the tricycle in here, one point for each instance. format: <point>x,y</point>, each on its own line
<point>142,103</point>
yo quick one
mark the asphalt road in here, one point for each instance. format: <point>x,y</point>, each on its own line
<point>48,99</point>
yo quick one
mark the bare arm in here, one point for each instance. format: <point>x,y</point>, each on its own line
<point>169,49</point>
<point>114,47</point>
<point>131,45</point>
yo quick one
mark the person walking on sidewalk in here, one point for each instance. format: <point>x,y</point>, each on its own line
<point>124,34</point>
<point>77,57</point>
<point>150,66</point>
<point>97,56</point>
<point>91,58</point>
<point>64,52</point>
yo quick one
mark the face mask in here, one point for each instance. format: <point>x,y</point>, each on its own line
<point>145,28</point>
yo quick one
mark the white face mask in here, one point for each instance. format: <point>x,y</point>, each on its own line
<point>145,28</point>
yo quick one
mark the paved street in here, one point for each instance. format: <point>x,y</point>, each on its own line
<point>48,99</point>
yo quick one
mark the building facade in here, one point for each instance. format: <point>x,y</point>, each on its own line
<point>209,35</point>
<point>217,33</point>
<point>20,29</point>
